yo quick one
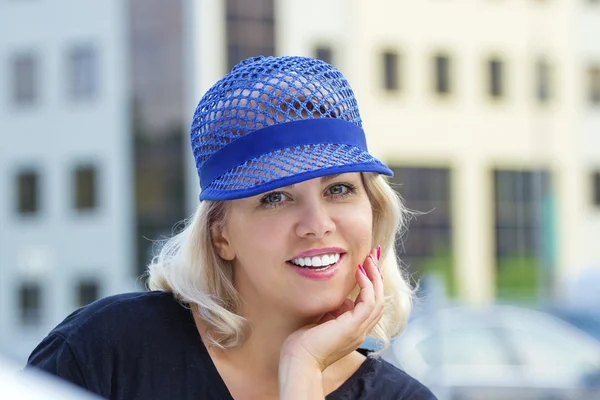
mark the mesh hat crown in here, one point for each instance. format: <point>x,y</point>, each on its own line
<point>275,121</point>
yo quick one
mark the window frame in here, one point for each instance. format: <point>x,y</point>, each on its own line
<point>80,300</point>
<point>324,49</point>
<point>81,202</point>
<point>593,81</point>
<point>83,72</point>
<point>34,188</point>
<point>496,82</point>
<point>442,74</point>
<point>26,90</point>
<point>390,71</point>
<point>596,189</point>
<point>30,316</point>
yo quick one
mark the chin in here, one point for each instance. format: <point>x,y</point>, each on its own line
<point>317,305</point>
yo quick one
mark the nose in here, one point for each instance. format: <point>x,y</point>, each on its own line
<point>314,221</point>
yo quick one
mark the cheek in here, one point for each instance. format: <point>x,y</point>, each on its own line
<point>358,224</point>
<point>258,238</point>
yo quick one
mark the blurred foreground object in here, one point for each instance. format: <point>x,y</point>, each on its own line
<point>33,385</point>
<point>581,289</point>
<point>499,352</point>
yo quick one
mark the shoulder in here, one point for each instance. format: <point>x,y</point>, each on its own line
<point>394,380</point>
<point>389,382</point>
<point>112,324</point>
<point>115,334</point>
<point>378,379</point>
<point>120,313</point>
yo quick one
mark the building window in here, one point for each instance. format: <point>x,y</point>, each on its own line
<point>594,84</point>
<point>496,78</point>
<point>83,72</point>
<point>543,81</point>
<point>427,247</point>
<point>522,200</point>
<point>390,71</point>
<point>442,74</point>
<point>250,29</point>
<point>85,188</point>
<point>596,188</point>
<point>27,192</point>
<point>324,53</point>
<point>88,291</point>
<point>25,78</point>
<point>30,303</point>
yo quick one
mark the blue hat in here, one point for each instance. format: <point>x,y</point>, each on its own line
<point>275,121</point>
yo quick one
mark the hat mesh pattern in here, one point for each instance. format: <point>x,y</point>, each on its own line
<point>261,92</point>
<point>287,162</point>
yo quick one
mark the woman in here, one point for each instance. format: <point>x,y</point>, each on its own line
<point>285,268</point>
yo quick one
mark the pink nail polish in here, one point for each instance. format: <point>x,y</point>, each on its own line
<point>378,252</point>
<point>362,269</point>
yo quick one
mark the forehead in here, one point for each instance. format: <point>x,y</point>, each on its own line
<point>324,180</point>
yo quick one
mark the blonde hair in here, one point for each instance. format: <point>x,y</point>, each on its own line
<point>189,267</point>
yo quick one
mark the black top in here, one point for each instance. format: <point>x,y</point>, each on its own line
<point>146,346</point>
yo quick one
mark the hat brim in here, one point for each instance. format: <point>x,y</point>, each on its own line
<point>289,166</point>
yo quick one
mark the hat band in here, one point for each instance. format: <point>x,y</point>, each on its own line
<point>281,136</point>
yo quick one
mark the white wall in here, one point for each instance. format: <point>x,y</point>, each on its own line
<point>589,53</point>
<point>59,246</point>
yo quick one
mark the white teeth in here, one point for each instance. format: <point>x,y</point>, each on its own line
<point>317,261</point>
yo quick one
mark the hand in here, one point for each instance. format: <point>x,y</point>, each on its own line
<point>341,331</point>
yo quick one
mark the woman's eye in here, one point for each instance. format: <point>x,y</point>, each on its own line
<point>274,197</point>
<point>341,190</point>
<point>338,189</point>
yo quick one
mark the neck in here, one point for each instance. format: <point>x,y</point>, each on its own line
<point>257,359</point>
<point>264,340</point>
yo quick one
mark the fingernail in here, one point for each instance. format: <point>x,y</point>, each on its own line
<point>378,252</point>
<point>380,273</point>
<point>362,270</point>
<point>372,259</point>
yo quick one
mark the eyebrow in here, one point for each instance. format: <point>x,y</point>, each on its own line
<point>324,179</point>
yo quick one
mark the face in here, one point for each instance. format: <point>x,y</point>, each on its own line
<point>297,248</point>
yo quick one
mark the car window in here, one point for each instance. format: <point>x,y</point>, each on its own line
<point>589,323</point>
<point>464,347</point>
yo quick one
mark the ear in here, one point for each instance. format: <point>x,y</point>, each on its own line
<point>220,239</point>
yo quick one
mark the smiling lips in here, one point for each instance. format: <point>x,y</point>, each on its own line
<point>318,267</point>
<point>318,264</point>
<point>324,260</point>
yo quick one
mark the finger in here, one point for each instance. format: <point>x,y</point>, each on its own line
<point>347,305</point>
<point>376,277</point>
<point>365,300</point>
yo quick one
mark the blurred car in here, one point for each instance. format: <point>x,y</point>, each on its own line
<point>35,385</point>
<point>586,319</point>
<point>499,352</point>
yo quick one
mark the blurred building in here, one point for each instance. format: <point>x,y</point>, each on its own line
<point>66,211</point>
<point>91,163</point>
<point>488,112</point>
